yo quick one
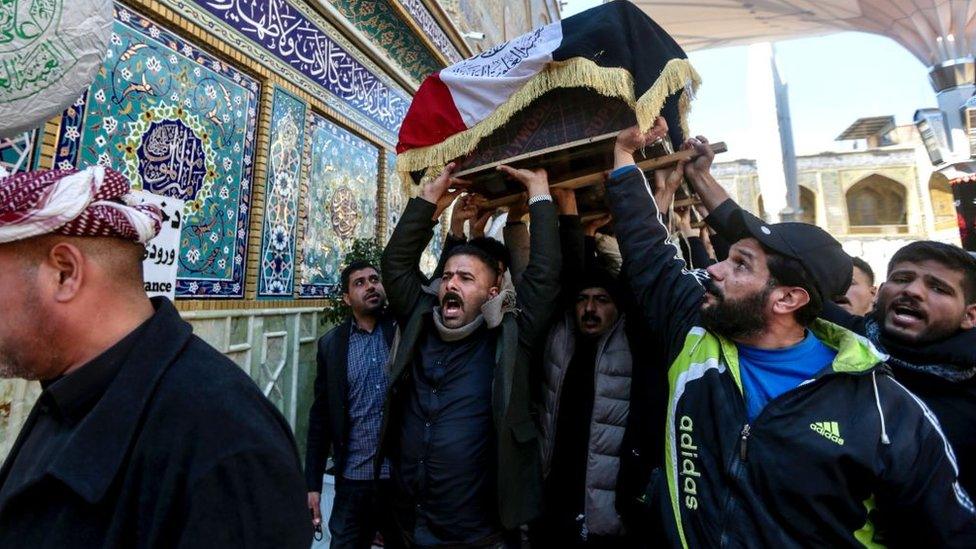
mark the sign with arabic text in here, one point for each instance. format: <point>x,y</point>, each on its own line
<point>293,37</point>
<point>160,261</point>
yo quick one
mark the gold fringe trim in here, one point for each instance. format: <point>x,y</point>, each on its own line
<point>677,75</point>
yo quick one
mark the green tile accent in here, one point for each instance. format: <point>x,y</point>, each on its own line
<point>380,21</point>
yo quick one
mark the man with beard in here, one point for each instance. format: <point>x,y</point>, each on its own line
<point>782,429</point>
<point>458,426</point>
<point>143,435</point>
<point>350,387</point>
<point>923,319</point>
<point>859,299</point>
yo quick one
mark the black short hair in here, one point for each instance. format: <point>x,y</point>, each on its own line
<point>953,257</point>
<point>352,267</point>
<point>786,271</point>
<point>599,277</point>
<point>477,252</point>
<point>864,267</point>
<point>495,249</point>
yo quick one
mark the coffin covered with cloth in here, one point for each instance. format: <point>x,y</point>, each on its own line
<point>554,98</point>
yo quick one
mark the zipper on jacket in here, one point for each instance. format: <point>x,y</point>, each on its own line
<point>743,441</point>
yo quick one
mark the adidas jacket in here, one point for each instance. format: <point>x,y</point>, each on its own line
<point>849,458</point>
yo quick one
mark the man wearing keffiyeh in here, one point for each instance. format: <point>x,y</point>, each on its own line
<point>144,435</point>
<point>70,248</point>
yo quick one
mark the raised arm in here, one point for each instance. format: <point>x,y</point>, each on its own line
<point>516,237</point>
<point>539,285</point>
<point>668,296</point>
<point>402,278</point>
<point>571,243</point>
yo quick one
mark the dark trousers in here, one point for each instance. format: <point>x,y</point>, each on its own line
<point>361,508</point>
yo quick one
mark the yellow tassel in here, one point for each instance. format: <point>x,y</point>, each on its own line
<point>677,75</point>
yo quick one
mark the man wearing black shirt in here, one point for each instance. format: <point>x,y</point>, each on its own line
<point>458,425</point>
<point>144,435</point>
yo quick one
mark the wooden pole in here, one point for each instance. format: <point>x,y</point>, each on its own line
<point>594,178</point>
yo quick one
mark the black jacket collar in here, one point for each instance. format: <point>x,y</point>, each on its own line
<point>93,457</point>
<point>952,358</point>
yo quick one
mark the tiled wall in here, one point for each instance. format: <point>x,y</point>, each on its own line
<point>276,121</point>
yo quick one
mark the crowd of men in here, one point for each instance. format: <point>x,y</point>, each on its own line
<point>543,390</point>
<point>627,381</point>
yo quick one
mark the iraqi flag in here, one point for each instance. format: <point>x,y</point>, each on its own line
<point>614,49</point>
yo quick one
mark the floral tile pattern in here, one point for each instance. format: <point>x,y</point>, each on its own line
<point>287,143</point>
<point>432,254</point>
<point>380,21</point>
<point>422,16</point>
<point>340,204</point>
<point>181,123</point>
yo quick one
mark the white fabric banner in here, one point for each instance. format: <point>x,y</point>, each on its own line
<point>50,51</point>
<point>482,83</point>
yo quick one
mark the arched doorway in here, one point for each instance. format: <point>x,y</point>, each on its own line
<point>943,204</point>
<point>876,204</point>
<point>808,203</point>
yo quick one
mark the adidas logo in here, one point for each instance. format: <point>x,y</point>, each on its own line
<point>829,430</point>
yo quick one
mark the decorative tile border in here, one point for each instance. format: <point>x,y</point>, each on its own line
<point>425,20</point>
<point>276,271</point>
<point>66,153</point>
<point>312,53</point>
<point>380,21</point>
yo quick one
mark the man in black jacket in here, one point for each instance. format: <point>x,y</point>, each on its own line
<point>923,319</point>
<point>350,386</point>
<point>458,425</point>
<point>144,435</point>
<point>782,429</point>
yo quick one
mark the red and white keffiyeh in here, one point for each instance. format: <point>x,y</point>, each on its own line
<point>92,202</point>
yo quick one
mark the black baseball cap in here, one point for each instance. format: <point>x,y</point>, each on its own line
<point>820,254</point>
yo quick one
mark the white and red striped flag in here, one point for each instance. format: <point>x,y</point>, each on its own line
<point>614,48</point>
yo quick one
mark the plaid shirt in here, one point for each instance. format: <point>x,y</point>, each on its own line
<point>368,382</point>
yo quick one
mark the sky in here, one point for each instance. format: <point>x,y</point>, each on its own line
<point>833,80</point>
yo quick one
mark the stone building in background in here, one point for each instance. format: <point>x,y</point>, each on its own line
<point>874,199</point>
<point>292,108</point>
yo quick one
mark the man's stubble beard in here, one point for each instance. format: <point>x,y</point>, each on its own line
<point>29,357</point>
<point>13,368</point>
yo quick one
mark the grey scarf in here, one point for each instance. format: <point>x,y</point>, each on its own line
<point>492,314</point>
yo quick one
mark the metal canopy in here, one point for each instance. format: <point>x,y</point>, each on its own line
<point>863,128</point>
<point>935,31</point>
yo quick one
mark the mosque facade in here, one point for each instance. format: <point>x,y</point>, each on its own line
<point>276,123</point>
<point>873,200</point>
